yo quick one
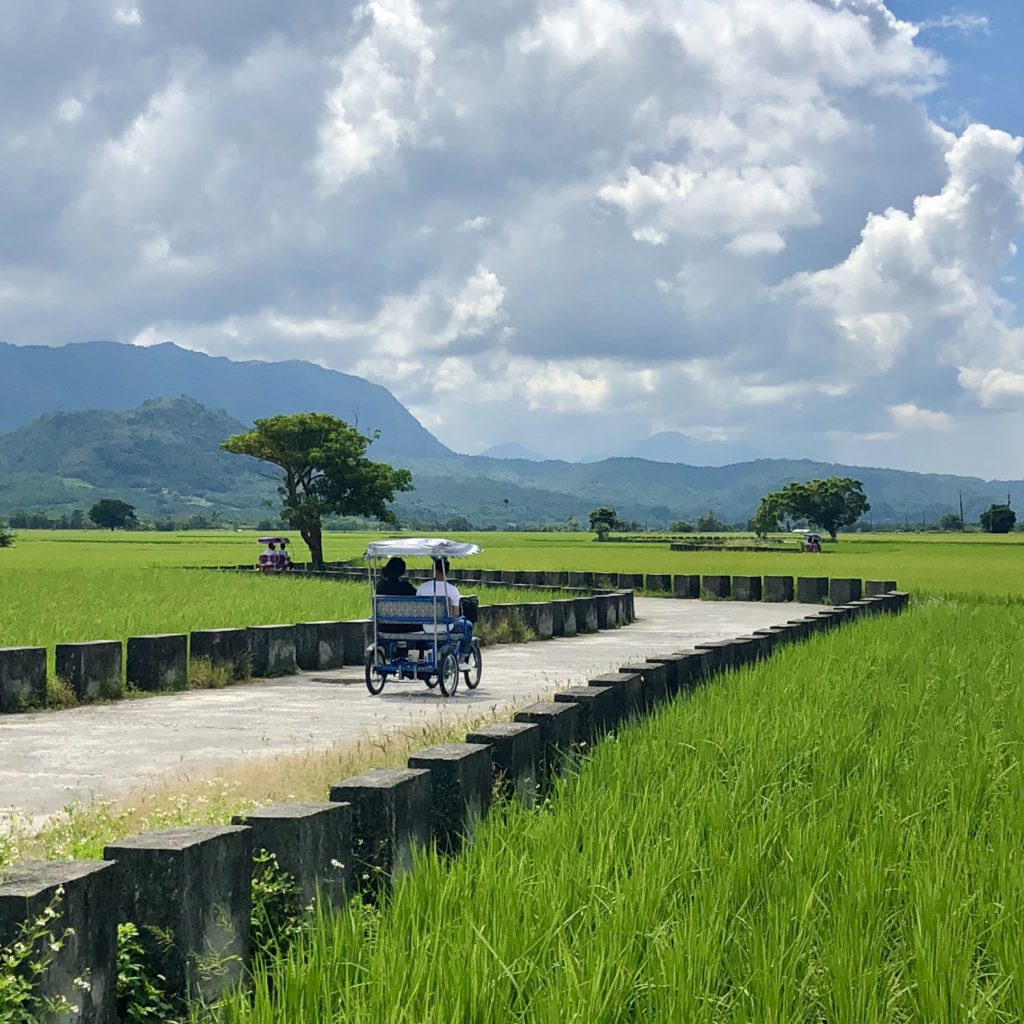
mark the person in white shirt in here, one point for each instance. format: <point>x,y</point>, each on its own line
<point>440,587</point>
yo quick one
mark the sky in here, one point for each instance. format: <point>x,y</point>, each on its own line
<point>789,224</point>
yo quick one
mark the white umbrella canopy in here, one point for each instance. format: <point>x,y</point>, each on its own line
<point>422,547</point>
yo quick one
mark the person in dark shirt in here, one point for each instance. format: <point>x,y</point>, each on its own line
<point>391,583</point>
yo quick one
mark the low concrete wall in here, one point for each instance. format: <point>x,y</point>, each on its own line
<point>189,889</point>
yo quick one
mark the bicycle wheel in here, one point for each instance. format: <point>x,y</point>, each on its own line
<point>448,676</point>
<point>475,668</point>
<point>375,680</point>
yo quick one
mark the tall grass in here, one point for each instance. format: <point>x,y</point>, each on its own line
<point>58,604</point>
<point>834,835</point>
<point>967,564</point>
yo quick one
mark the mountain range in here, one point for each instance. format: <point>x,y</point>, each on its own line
<point>105,375</point>
<point>118,434</point>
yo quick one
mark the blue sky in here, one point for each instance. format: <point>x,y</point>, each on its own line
<point>783,225</point>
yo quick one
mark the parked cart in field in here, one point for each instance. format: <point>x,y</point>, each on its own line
<point>421,637</point>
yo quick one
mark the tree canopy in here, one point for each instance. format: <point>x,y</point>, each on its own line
<point>113,514</point>
<point>998,519</point>
<point>603,520</point>
<point>326,472</point>
<point>829,504</point>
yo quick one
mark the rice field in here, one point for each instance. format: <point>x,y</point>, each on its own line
<point>64,588</point>
<point>834,835</point>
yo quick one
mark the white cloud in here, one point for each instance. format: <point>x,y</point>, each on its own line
<point>994,388</point>
<point>614,215</point>
<point>965,23</point>
<point>128,15</point>
<point>912,417</point>
<point>384,90</point>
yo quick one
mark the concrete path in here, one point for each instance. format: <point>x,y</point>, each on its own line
<point>52,759</point>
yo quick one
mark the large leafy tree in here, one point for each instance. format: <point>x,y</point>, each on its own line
<point>113,514</point>
<point>326,472</point>
<point>998,519</point>
<point>603,520</point>
<point>829,504</point>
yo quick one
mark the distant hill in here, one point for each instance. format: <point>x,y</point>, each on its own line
<point>672,446</point>
<point>106,375</point>
<point>512,450</point>
<point>163,458</point>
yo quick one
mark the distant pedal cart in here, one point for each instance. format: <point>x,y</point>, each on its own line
<point>274,557</point>
<point>412,636</point>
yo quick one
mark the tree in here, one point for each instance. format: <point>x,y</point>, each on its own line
<point>6,538</point>
<point>710,523</point>
<point>113,514</point>
<point>326,472</point>
<point>602,521</point>
<point>766,519</point>
<point>949,523</point>
<point>829,504</point>
<point>998,519</point>
<point>681,526</point>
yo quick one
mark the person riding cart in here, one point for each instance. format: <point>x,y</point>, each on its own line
<point>426,635</point>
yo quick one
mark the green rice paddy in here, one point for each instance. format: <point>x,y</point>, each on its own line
<point>832,836</point>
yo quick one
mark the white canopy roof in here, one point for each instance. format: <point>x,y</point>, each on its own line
<point>426,547</point>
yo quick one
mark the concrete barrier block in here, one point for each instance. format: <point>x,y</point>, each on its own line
<point>586,614</point>
<point>391,814</point>
<point>557,619</point>
<point>158,662</point>
<point>686,587</point>
<point>563,617</point>
<point>271,650</point>
<point>812,589</point>
<point>312,842</point>
<point>843,591</point>
<point>539,616</point>
<point>629,688</point>
<point>461,782</point>
<point>778,588</point>
<point>581,579</point>
<point>597,710</point>
<point>556,579</point>
<point>716,588</point>
<point>746,588</point>
<point>22,678</point>
<point>558,731</point>
<point>723,655</point>
<point>228,647</point>
<point>875,588</point>
<point>516,757</point>
<point>319,646</point>
<point>677,672</point>
<point>628,580</point>
<point>654,684</point>
<point>607,611</point>
<point>93,669</point>
<point>658,583</point>
<point>83,895</point>
<point>357,635</point>
<point>188,890</point>
<point>752,648</point>
<point>690,668</point>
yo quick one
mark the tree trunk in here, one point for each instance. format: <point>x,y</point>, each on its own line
<point>314,541</point>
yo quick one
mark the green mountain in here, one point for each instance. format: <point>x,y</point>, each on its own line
<point>41,379</point>
<point>163,457</point>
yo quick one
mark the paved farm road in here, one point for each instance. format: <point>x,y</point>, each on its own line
<point>51,759</point>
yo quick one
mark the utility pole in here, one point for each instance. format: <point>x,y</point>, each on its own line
<point>961,511</point>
